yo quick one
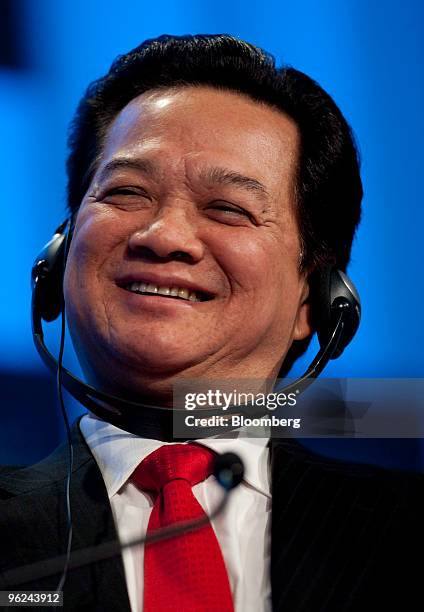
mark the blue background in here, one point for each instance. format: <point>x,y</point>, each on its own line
<point>367,55</point>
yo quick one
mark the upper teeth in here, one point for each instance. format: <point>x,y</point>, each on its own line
<point>173,291</point>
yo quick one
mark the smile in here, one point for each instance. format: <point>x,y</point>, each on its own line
<point>171,292</point>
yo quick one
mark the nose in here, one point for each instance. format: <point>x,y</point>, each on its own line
<point>172,234</point>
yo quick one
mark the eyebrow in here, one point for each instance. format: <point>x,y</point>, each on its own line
<point>213,176</point>
<point>142,165</point>
<point>224,176</point>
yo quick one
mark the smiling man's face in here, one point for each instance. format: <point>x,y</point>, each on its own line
<point>185,256</point>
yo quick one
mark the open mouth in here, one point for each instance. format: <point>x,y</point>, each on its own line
<point>178,293</point>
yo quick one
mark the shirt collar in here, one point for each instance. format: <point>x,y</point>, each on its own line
<point>118,453</point>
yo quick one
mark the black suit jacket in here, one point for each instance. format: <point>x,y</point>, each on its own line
<point>344,537</point>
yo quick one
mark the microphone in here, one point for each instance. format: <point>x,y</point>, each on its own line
<point>228,471</point>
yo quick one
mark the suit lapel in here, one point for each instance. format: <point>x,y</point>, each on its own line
<point>36,497</point>
<point>94,524</point>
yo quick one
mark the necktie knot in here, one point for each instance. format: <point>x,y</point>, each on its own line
<point>189,462</point>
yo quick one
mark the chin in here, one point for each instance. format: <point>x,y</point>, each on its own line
<point>139,366</point>
<point>158,352</point>
<point>151,384</point>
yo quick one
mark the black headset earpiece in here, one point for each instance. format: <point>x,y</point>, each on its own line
<point>47,273</point>
<point>333,293</point>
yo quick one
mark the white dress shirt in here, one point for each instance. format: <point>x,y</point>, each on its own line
<point>242,530</point>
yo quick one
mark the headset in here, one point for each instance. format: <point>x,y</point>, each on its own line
<point>336,312</point>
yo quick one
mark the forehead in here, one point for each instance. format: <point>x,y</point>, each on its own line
<point>193,127</point>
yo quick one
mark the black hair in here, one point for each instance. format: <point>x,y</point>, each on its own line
<point>328,186</point>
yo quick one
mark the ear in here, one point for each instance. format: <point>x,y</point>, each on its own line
<point>303,322</point>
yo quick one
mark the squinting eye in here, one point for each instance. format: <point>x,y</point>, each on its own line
<point>230,209</point>
<point>123,192</point>
<point>224,212</point>
<point>128,198</point>
<point>126,191</point>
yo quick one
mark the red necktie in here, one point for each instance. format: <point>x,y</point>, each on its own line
<point>186,572</point>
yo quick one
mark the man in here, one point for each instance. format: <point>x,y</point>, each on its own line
<point>207,188</point>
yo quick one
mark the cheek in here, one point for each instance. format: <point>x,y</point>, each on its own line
<point>264,282</point>
<point>89,250</point>
<point>261,267</point>
<point>80,293</point>
<point>98,234</point>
